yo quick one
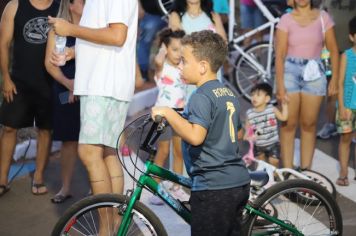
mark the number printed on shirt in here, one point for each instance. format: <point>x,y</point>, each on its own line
<point>231,109</point>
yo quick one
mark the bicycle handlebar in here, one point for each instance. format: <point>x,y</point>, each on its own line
<point>158,125</point>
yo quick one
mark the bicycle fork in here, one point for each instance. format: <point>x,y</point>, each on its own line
<point>135,196</point>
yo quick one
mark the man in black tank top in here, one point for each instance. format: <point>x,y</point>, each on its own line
<point>27,88</point>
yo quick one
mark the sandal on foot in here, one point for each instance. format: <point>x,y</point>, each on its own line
<point>36,189</point>
<point>59,198</point>
<point>342,181</point>
<point>4,189</point>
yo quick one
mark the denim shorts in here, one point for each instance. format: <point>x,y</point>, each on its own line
<point>272,150</point>
<point>294,81</point>
<point>251,17</point>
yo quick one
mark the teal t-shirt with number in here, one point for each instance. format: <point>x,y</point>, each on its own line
<point>215,164</point>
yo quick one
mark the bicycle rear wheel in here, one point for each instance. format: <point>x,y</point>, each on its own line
<point>246,75</point>
<point>101,215</point>
<point>321,219</point>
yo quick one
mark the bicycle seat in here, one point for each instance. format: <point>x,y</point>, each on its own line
<point>259,178</point>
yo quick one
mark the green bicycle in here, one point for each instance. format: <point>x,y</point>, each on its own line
<point>110,214</point>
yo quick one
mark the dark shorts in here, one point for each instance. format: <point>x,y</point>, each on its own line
<point>218,212</point>
<point>272,150</point>
<point>27,108</point>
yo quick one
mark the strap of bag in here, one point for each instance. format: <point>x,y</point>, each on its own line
<point>322,23</point>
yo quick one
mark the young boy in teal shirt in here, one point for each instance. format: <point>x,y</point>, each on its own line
<point>210,127</point>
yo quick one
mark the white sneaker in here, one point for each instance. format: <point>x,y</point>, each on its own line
<point>154,200</point>
<point>180,194</point>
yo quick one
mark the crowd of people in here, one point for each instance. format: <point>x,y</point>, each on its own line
<point>111,48</point>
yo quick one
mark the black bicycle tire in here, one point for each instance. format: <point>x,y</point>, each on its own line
<point>235,71</point>
<point>333,193</point>
<point>297,183</point>
<point>85,203</point>
<point>311,202</point>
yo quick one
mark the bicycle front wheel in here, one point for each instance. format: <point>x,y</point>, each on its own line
<point>102,214</point>
<point>246,75</point>
<point>321,219</point>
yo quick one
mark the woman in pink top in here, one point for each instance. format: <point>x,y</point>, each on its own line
<point>300,75</point>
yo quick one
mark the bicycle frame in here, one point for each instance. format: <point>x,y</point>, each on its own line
<point>146,180</point>
<point>270,24</point>
<point>177,206</point>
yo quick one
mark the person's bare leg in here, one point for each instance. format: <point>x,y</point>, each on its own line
<point>331,108</point>
<point>309,112</point>
<point>162,154</point>
<point>273,161</point>
<point>177,155</point>
<point>7,147</point>
<point>92,157</point>
<point>43,147</point>
<point>261,157</point>
<point>288,129</point>
<point>69,153</point>
<point>115,171</point>
<point>344,153</point>
<point>247,41</point>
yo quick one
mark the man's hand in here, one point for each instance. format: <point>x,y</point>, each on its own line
<point>60,26</point>
<point>72,98</point>
<point>8,89</point>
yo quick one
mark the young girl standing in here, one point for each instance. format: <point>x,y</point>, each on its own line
<point>172,93</point>
<point>346,114</point>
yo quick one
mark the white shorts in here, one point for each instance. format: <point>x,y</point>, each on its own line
<point>101,120</point>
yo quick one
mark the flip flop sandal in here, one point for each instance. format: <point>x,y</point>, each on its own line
<point>37,187</point>
<point>59,198</point>
<point>343,181</point>
<point>4,189</point>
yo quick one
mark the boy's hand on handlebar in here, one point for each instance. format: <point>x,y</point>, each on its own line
<point>158,111</point>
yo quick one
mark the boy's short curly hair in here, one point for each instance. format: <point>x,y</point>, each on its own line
<point>207,46</point>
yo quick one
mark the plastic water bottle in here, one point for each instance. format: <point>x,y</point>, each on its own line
<point>325,58</point>
<point>60,49</point>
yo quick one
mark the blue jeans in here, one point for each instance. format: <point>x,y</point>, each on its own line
<point>251,17</point>
<point>149,26</point>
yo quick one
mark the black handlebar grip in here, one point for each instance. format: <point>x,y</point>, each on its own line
<point>158,118</point>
